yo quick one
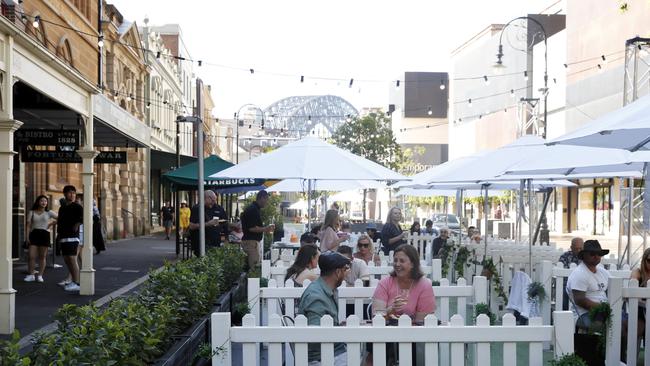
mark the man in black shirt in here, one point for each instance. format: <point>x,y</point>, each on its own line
<point>440,242</point>
<point>254,229</point>
<point>167,215</point>
<point>68,222</point>
<point>216,223</point>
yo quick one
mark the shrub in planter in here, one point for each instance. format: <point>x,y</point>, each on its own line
<point>483,308</point>
<point>138,329</point>
<point>570,359</point>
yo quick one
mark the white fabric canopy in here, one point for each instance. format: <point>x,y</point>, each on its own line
<point>348,196</point>
<point>471,193</point>
<point>300,185</point>
<point>310,158</point>
<point>300,205</point>
<point>625,128</point>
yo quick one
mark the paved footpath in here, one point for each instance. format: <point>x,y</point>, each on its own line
<point>120,268</point>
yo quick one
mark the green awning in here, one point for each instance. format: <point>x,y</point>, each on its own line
<point>185,178</point>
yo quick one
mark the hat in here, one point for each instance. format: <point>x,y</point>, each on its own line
<point>592,246</point>
<point>330,261</point>
<point>183,202</point>
<point>372,226</point>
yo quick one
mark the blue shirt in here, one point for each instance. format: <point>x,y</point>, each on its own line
<point>317,300</point>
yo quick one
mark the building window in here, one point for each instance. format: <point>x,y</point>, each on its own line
<point>64,51</point>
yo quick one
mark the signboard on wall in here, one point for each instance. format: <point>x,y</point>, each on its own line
<point>424,156</point>
<point>52,156</point>
<point>40,137</point>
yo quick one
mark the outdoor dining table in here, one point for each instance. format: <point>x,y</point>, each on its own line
<point>284,245</point>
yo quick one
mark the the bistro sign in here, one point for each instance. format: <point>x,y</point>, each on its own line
<point>38,137</point>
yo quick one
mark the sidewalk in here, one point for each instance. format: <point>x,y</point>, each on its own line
<point>124,262</point>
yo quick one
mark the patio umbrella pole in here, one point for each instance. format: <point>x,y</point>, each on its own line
<point>485,216</point>
<point>630,218</point>
<point>459,213</point>
<point>520,209</point>
<point>309,204</point>
<point>530,226</point>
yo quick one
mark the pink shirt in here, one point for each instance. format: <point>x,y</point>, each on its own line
<point>420,300</point>
<point>328,239</point>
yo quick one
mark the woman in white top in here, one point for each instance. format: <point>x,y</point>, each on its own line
<point>39,221</point>
<point>329,240</point>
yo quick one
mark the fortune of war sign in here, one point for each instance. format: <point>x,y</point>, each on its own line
<point>51,156</point>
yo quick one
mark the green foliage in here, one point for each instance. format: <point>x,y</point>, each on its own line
<point>536,292</point>
<point>371,137</point>
<point>569,359</point>
<point>490,271</point>
<point>483,308</point>
<point>138,329</point>
<point>241,309</point>
<point>10,351</point>
<point>257,273</point>
<point>601,323</point>
<point>457,256</point>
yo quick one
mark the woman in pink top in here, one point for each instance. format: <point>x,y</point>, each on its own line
<point>406,290</point>
<point>329,240</point>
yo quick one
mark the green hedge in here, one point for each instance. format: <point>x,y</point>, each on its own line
<point>138,329</point>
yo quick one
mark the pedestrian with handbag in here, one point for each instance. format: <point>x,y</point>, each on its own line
<point>39,221</point>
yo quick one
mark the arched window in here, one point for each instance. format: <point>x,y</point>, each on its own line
<point>64,51</point>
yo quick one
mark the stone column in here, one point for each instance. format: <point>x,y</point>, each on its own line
<point>88,153</point>
<point>7,127</point>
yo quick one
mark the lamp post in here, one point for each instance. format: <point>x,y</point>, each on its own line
<point>201,180</point>
<point>239,121</point>
<point>499,63</point>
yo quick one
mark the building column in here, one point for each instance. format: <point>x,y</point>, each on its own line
<point>88,154</point>
<point>7,293</point>
<point>7,127</point>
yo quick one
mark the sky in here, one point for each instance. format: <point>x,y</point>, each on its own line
<point>372,40</point>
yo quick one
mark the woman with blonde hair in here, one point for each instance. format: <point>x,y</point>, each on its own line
<point>366,251</point>
<point>392,234</point>
<point>329,240</point>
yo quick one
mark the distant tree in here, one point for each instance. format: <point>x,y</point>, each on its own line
<point>371,137</point>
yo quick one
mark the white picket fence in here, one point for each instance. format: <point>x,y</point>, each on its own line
<point>354,335</point>
<point>557,274</point>
<point>278,272</point>
<point>266,301</point>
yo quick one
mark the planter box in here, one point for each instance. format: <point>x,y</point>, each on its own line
<point>187,344</point>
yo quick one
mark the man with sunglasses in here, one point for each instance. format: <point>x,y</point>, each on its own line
<point>587,284</point>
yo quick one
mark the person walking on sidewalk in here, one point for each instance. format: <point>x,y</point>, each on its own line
<point>167,214</point>
<point>39,221</point>
<point>70,218</point>
<point>254,229</point>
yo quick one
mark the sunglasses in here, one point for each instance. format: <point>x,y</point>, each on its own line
<point>364,245</point>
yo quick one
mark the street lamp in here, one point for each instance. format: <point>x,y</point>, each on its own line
<point>201,180</point>
<point>240,121</point>
<point>498,66</point>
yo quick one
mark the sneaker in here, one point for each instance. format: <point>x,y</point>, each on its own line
<point>64,283</point>
<point>72,287</point>
<point>40,279</point>
<point>30,278</point>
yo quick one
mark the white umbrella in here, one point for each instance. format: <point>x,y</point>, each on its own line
<point>626,128</point>
<point>414,192</point>
<point>349,196</point>
<point>300,185</point>
<point>311,159</point>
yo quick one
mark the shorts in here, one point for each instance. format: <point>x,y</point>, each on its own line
<point>69,248</point>
<point>39,238</point>
<point>168,223</point>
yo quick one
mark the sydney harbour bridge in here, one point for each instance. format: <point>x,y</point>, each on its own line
<point>298,116</point>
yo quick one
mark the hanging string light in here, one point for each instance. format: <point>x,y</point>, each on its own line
<point>442,85</point>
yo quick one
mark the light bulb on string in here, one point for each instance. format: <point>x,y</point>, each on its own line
<point>525,75</point>
<point>487,81</point>
<point>100,41</point>
<point>396,84</point>
<point>430,111</point>
<point>512,93</point>
<point>442,85</point>
<point>37,21</point>
<point>469,102</point>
